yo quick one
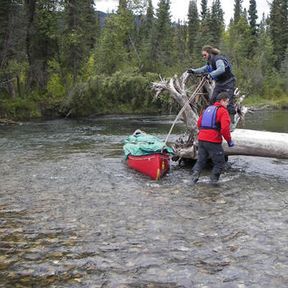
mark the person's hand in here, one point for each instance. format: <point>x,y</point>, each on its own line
<point>208,77</point>
<point>190,71</point>
<point>231,143</point>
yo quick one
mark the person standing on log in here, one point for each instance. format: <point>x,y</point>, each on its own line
<point>213,124</point>
<point>219,69</point>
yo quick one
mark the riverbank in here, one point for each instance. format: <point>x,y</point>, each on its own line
<point>98,98</point>
<point>53,116</point>
<point>257,102</point>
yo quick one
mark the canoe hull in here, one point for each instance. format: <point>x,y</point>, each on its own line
<point>154,165</point>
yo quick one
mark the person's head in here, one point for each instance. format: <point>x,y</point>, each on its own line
<point>207,51</point>
<point>223,98</point>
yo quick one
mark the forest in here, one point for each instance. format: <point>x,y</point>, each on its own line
<point>64,58</point>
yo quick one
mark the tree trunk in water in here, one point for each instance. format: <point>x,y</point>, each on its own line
<point>259,143</point>
<point>251,143</point>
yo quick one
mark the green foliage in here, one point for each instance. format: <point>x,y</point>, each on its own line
<point>79,35</point>
<point>238,41</point>
<point>55,87</point>
<point>279,29</point>
<point>216,23</point>
<point>237,10</point>
<point>56,58</point>
<point>204,9</point>
<point>253,16</point>
<point>114,51</point>
<point>118,93</point>
<point>162,44</point>
<point>19,109</point>
<point>193,28</point>
<point>274,86</point>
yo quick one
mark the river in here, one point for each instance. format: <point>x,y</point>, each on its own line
<point>73,215</point>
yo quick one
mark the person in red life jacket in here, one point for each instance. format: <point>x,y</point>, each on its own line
<point>219,69</point>
<point>213,124</point>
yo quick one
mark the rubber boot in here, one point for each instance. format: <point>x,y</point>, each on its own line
<point>195,176</point>
<point>214,178</point>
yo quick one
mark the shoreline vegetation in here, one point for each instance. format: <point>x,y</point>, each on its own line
<point>279,104</point>
<point>120,93</point>
<point>66,59</point>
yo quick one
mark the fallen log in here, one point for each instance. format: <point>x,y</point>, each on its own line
<point>259,143</point>
<point>248,142</point>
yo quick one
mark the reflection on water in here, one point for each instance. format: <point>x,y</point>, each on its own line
<point>73,215</point>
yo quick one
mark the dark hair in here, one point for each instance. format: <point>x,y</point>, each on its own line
<point>211,50</point>
<point>222,95</point>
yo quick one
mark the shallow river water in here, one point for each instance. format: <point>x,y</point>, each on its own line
<point>73,215</point>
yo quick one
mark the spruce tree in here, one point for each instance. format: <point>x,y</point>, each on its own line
<point>193,26</point>
<point>162,36</point>
<point>205,35</point>
<point>179,53</point>
<point>146,36</point>
<point>204,9</point>
<point>252,16</point>
<point>122,4</point>
<point>217,22</point>
<point>237,10</point>
<point>265,54</point>
<point>148,20</point>
<point>278,29</point>
<point>115,46</point>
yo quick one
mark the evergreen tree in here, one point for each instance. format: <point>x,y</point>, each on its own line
<point>193,26</point>
<point>265,54</point>
<point>205,35</point>
<point>148,20</point>
<point>180,51</point>
<point>114,51</point>
<point>237,10</point>
<point>146,44</point>
<point>204,9</point>
<point>122,4</point>
<point>239,40</point>
<point>237,47</point>
<point>279,29</point>
<point>216,22</point>
<point>252,16</point>
<point>79,34</point>
<point>162,44</point>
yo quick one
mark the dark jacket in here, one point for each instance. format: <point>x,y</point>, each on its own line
<point>228,71</point>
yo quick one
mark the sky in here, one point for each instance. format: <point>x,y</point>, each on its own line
<point>179,8</point>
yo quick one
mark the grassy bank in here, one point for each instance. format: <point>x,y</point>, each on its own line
<point>275,103</point>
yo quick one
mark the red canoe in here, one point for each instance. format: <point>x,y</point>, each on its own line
<point>154,165</point>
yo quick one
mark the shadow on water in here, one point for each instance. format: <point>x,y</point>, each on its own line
<point>73,215</point>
